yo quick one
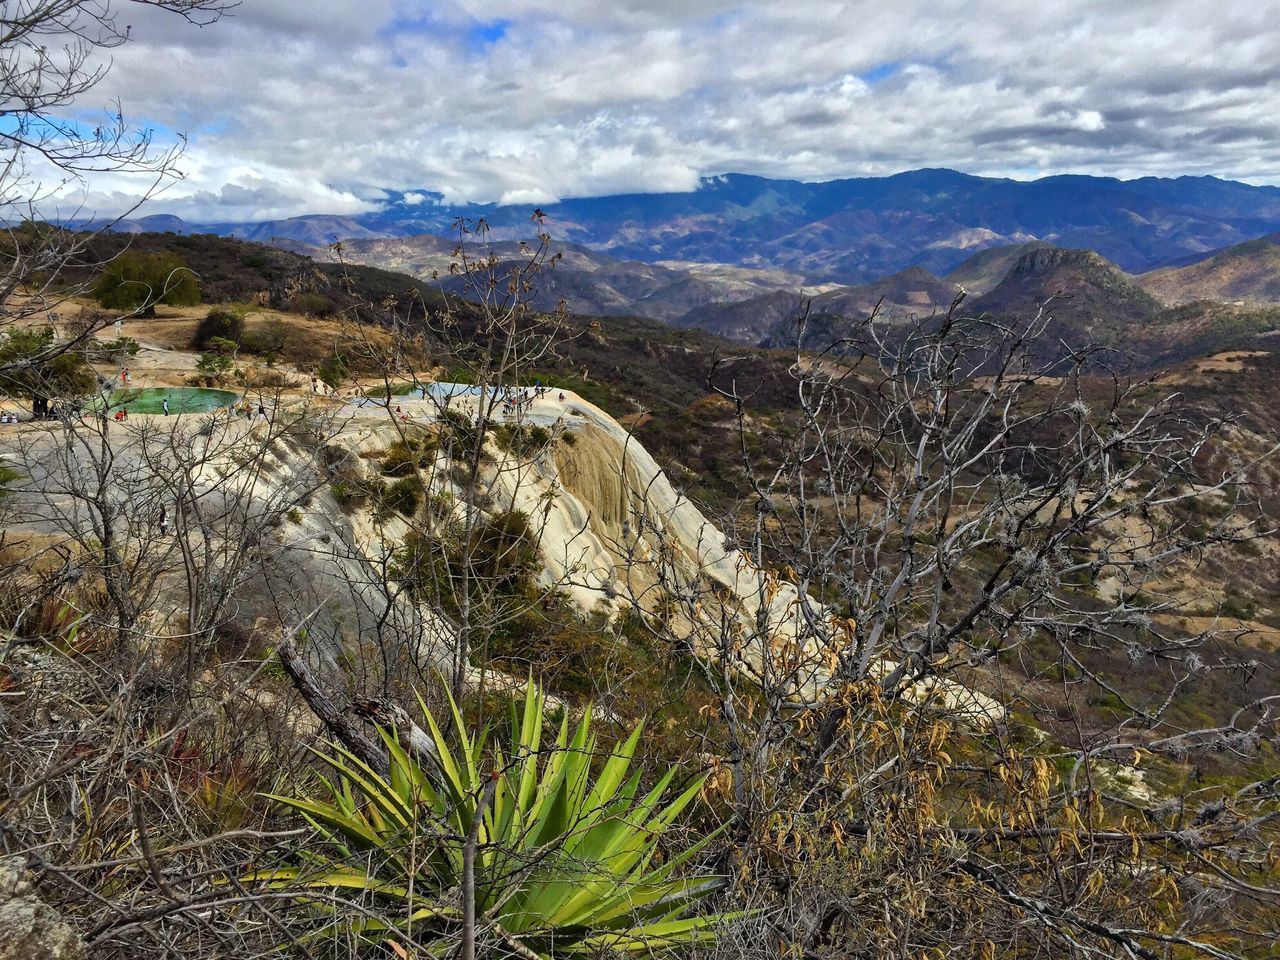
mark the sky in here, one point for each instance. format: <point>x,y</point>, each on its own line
<point>320,106</point>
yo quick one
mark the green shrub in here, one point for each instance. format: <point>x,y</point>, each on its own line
<point>567,865</point>
<point>333,371</point>
<point>314,304</point>
<point>34,368</point>
<point>1236,604</point>
<point>111,351</point>
<point>404,496</point>
<point>7,476</point>
<point>460,434</point>
<point>522,440</point>
<point>404,457</point>
<point>500,560</point>
<point>265,340</point>
<point>214,364</point>
<point>349,495</point>
<point>218,323</point>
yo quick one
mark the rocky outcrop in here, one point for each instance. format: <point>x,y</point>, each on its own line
<point>1088,297</point>
<point>1043,259</point>
<point>30,929</point>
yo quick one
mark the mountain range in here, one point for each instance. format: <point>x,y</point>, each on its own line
<point>843,231</point>
<point>741,255</point>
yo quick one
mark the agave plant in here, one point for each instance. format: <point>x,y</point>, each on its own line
<point>564,866</point>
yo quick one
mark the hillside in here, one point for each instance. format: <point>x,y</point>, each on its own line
<point>1091,298</point>
<point>237,271</point>
<point>628,364</point>
<point>912,292</point>
<point>1247,271</point>
<point>1204,328</point>
<point>231,270</point>
<point>268,583</point>
<point>590,282</point>
<point>744,321</point>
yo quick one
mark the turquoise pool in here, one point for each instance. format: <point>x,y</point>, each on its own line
<point>181,399</point>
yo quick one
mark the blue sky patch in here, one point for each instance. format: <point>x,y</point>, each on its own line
<point>881,72</point>
<point>482,36</point>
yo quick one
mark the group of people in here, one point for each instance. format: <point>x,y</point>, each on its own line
<point>518,400</point>
<point>244,408</point>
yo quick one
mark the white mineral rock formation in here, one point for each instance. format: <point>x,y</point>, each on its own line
<point>612,533</point>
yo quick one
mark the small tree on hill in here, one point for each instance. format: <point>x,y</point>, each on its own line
<point>136,282</point>
<point>214,364</point>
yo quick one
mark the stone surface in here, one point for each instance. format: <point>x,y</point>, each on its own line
<point>30,929</point>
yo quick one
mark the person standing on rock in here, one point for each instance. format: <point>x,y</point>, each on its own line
<point>164,405</point>
<point>262,410</point>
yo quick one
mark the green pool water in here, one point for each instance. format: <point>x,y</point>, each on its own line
<point>181,399</point>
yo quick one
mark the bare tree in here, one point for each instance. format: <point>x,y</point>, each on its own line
<point>965,650</point>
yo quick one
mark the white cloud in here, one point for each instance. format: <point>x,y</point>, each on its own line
<point>299,106</point>
<point>1090,120</point>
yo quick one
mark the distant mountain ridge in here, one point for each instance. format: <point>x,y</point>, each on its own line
<point>848,231</point>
